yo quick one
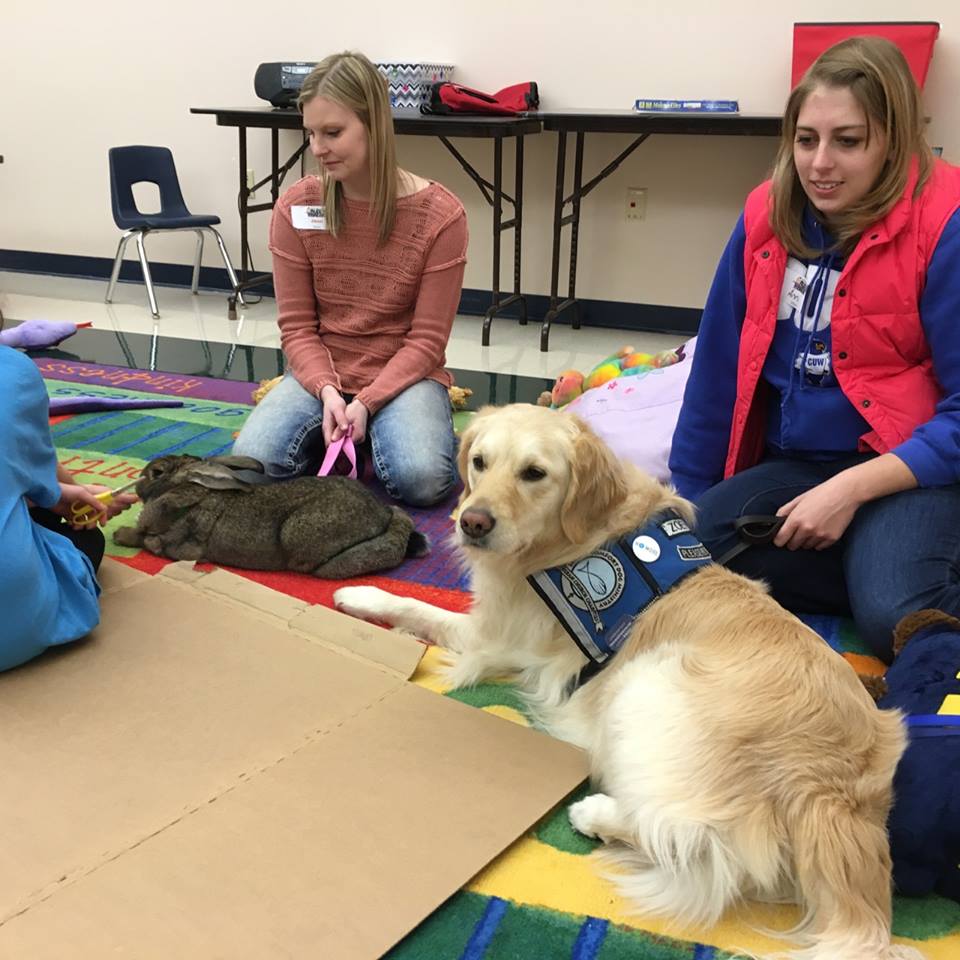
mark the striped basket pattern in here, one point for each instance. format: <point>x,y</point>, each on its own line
<point>409,83</point>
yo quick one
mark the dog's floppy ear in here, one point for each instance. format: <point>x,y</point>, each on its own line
<point>463,455</point>
<point>597,485</point>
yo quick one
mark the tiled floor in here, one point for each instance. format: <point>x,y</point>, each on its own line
<point>194,335</point>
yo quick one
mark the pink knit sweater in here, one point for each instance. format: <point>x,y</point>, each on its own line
<point>369,320</point>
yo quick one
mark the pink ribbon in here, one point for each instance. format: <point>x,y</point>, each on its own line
<point>342,446</point>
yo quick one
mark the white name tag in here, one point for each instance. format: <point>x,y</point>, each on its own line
<point>309,217</point>
<point>795,287</point>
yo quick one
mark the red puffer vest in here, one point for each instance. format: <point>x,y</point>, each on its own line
<point>880,354</point>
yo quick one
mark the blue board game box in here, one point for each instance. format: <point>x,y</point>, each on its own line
<point>686,106</point>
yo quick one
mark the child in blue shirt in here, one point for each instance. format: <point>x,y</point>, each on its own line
<point>48,586</point>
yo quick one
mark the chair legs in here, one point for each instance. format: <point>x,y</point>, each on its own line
<point>147,279</point>
<point>117,261</point>
<point>226,262</point>
<point>145,266</point>
<point>196,262</point>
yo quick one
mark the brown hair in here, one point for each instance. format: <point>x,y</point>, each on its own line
<point>354,82</point>
<point>876,74</point>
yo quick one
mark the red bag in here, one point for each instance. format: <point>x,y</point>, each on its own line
<point>451,98</point>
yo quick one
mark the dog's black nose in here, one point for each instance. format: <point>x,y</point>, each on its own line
<point>477,523</point>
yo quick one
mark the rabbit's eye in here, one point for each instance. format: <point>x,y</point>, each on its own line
<point>478,463</point>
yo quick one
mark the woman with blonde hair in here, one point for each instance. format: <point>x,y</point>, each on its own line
<point>825,390</point>
<point>368,264</point>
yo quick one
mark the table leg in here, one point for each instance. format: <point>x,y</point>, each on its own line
<point>575,197</point>
<point>275,164</point>
<point>242,205</point>
<point>497,221</point>
<point>517,230</point>
<point>557,224</point>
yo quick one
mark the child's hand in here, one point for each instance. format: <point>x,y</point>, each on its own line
<point>77,493</point>
<point>85,495</point>
<point>119,503</point>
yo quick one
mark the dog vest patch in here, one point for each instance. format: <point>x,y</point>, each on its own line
<point>598,598</point>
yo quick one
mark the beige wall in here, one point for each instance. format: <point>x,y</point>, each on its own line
<point>76,79</point>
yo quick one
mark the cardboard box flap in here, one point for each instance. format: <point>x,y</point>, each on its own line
<point>175,699</point>
<point>397,652</point>
<point>114,575</point>
<point>200,780</point>
<point>337,852</point>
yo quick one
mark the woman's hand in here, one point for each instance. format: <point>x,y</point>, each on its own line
<point>357,415</point>
<point>818,518</point>
<point>335,421</point>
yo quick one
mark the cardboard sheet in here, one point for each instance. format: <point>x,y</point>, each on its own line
<point>201,780</point>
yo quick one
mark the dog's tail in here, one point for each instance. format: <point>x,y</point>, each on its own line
<point>842,858</point>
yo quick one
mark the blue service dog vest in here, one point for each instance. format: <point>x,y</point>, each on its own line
<point>598,598</point>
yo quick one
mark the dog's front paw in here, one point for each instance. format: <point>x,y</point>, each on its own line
<point>593,816</point>
<point>462,670</point>
<point>367,603</point>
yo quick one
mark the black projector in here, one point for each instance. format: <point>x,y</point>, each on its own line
<point>280,82</point>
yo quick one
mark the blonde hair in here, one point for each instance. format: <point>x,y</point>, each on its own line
<point>876,74</point>
<point>354,82</point>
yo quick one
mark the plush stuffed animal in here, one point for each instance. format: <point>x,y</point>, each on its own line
<point>265,387</point>
<point>37,334</point>
<point>459,396</point>
<point>626,362</point>
<point>925,821</point>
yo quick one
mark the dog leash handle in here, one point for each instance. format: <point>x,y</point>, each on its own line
<point>753,530</point>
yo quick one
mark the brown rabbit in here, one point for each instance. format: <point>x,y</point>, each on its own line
<point>330,527</point>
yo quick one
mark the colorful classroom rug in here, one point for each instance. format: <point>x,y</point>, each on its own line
<point>542,899</point>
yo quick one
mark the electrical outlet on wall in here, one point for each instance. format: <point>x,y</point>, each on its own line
<point>636,203</point>
<point>251,180</point>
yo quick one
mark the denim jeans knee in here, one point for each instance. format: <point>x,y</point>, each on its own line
<point>284,432</point>
<point>414,445</point>
<point>903,555</point>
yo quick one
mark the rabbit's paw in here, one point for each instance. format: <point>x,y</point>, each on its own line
<point>367,603</point>
<point>128,537</point>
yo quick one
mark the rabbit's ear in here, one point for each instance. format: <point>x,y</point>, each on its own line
<point>214,476</point>
<point>238,463</point>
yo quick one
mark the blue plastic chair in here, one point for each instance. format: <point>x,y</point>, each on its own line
<point>131,165</point>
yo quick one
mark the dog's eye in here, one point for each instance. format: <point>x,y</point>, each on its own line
<point>478,463</point>
<point>532,474</point>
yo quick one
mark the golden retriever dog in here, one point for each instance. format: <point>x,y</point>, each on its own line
<point>735,755</point>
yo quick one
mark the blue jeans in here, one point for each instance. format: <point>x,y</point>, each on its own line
<point>901,553</point>
<point>411,437</point>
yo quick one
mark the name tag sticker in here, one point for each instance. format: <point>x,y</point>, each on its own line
<point>794,287</point>
<point>309,217</point>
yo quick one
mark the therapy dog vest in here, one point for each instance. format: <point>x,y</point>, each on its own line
<point>880,355</point>
<point>598,598</point>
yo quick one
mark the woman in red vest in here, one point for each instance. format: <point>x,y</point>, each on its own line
<point>825,389</point>
<point>826,383</point>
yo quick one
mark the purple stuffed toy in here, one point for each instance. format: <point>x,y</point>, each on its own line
<point>37,334</point>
